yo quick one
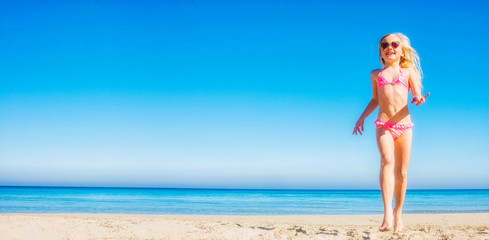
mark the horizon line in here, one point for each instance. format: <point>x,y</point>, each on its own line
<point>223,188</point>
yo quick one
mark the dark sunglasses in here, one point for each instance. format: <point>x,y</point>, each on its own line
<point>385,45</point>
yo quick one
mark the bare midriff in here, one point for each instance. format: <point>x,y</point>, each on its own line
<point>393,103</point>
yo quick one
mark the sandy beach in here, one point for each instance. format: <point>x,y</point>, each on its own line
<point>114,226</point>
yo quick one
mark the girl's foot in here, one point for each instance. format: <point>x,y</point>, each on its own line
<point>398,225</point>
<point>386,223</point>
<point>400,230</point>
<point>384,228</point>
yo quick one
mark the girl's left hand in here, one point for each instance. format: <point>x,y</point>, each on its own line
<point>419,100</point>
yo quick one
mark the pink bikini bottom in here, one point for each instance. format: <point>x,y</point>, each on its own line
<point>396,129</point>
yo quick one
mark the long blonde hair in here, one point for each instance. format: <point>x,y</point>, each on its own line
<point>410,58</point>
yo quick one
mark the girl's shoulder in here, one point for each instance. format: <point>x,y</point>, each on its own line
<point>409,71</point>
<point>375,73</point>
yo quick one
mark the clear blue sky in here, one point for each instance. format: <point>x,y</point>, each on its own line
<point>246,94</point>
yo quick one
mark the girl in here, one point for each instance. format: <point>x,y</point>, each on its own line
<point>390,89</point>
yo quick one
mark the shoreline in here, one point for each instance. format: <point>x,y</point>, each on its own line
<point>149,226</point>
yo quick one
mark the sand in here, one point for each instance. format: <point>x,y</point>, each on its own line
<point>115,226</point>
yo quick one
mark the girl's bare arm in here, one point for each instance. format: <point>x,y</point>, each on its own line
<point>415,85</point>
<point>372,105</point>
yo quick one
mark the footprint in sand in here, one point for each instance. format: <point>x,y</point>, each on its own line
<point>327,232</point>
<point>297,230</point>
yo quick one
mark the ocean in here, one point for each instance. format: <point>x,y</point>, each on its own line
<point>231,201</point>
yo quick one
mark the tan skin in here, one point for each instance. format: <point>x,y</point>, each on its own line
<point>392,101</point>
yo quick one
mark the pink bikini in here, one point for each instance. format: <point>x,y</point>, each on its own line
<point>396,129</point>
<point>400,79</point>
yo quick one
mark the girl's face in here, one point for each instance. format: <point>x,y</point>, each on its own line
<point>390,48</point>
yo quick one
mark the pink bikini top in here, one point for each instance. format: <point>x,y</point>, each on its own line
<point>400,79</point>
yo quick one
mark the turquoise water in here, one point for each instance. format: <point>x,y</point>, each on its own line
<point>231,201</point>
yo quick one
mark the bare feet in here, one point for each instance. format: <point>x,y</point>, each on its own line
<point>400,230</point>
<point>387,222</point>
<point>398,225</point>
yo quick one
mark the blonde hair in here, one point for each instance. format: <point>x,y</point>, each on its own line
<point>410,58</point>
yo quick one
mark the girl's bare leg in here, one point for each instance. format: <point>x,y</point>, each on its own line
<point>385,143</point>
<point>402,152</point>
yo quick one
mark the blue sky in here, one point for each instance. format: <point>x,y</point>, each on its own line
<point>245,94</point>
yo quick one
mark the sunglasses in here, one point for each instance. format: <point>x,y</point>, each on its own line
<point>394,45</point>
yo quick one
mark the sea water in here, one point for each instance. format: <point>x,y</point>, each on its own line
<point>231,201</point>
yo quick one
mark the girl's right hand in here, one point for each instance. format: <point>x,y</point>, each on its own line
<point>358,127</point>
